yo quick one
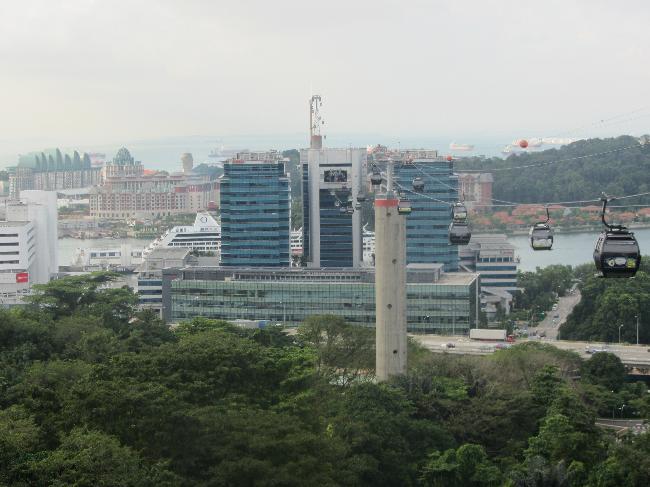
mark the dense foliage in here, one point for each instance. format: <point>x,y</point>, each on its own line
<point>94,393</point>
<point>595,170</point>
<point>608,303</point>
<point>540,289</point>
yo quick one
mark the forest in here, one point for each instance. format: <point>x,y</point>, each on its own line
<point>96,393</point>
<point>608,303</point>
<point>616,166</point>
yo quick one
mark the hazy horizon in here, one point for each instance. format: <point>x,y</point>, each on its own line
<point>89,74</point>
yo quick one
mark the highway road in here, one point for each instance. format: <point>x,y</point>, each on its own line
<point>551,323</point>
<point>629,354</point>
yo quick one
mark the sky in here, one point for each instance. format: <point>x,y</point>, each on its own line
<point>100,72</point>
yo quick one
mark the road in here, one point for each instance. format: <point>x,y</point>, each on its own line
<point>629,354</point>
<point>551,325</point>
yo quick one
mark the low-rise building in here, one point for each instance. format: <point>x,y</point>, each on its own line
<point>150,274</point>
<point>494,259</point>
<point>437,302</point>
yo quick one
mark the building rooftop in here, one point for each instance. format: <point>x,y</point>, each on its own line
<point>169,253</point>
<point>416,274</point>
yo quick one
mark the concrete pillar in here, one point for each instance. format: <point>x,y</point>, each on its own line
<point>390,289</point>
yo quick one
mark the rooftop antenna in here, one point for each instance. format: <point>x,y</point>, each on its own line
<point>315,122</point>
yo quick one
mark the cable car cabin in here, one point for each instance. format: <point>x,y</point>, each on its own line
<point>459,212</point>
<point>418,185</point>
<point>375,179</point>
<point>541,237</point>
<point>459,233</point>
<point>404,207</point>
<point>617,253</point>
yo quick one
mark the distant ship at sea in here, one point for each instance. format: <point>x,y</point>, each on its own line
<point>223,153</point>
<point>461,147</point>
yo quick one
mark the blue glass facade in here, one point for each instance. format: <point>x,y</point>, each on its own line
<point>255,205</point>
<point>335,233</point>
<point>427,227</point>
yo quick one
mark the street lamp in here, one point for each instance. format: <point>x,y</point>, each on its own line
<point>619,333</point>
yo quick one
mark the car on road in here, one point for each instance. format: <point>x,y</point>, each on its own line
<point>448,345</point>
<point>592,350</point>
<point>555,307</point>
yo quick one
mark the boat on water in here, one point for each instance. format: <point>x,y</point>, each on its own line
<point>461,147</point>
<point>203,236</point>
<point>223,153</point>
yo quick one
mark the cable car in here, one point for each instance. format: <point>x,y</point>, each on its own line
<point>541,234</point>
<point>459,212</point>
<point>418,185</point>
<point>617,253</point>
<point>459,233</point>
<point>404,207</point>
<point>375,179</point>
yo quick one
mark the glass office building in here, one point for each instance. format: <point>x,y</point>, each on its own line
<point>332,179</point>
<point>427,227</point>
<point>255,211</point>
<point>437,302</point>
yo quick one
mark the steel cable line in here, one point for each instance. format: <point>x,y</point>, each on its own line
<point>547,163</point>
<point>421,194</point>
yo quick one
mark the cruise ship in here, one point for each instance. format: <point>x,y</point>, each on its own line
<point>203,236</point>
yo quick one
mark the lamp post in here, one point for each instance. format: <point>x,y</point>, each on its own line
<point>619,333</point>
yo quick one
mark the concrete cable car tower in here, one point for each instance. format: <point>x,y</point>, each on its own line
<point>390,283</point>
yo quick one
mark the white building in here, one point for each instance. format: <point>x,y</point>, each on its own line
<point>332,181</point>
<point>28,244</point>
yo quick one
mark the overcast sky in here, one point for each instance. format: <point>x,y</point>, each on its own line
<point>78,72</point>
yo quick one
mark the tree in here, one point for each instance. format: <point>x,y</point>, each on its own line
<point>604,369</point>
<point>342,350</point>
<point>467,466</point>
<point>384,439</point>
<point>19,439</point>
<point>93,459</point>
